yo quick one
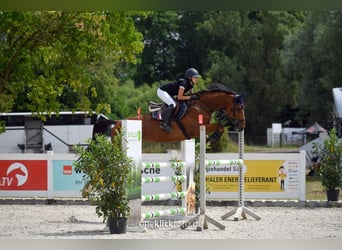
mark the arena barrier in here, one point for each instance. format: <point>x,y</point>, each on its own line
<point>165,196</point>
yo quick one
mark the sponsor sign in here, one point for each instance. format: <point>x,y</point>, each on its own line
<point>23,175</point>
<point>259,176</point>
<point>65,177</point>
<point>262,179</point>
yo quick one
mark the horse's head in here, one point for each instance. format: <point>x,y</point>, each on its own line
<point>230,106</point>
<point>233,114</point>
<point>238,116</point>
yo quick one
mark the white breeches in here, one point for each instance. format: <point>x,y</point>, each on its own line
<point>165,97</point>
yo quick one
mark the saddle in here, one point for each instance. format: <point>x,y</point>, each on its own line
<point>157,110</point>
<point>156,106</point>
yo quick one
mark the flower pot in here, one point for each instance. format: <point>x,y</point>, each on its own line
<point>117,226</point>
<point>333,195</point>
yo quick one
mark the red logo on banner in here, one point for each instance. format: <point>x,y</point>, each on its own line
<point>23,175</point>
<point>67,170</point>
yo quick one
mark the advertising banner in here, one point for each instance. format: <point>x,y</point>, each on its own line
<point>23,175</point>
<point>65,177</point>
<point>259,176</point>
<point>275,176</point>
<point>262,177</point>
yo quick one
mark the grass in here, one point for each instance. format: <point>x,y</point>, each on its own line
<point>314,188</point>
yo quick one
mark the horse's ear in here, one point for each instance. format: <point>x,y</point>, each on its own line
<point>240,98</point>
<point>243,95</point>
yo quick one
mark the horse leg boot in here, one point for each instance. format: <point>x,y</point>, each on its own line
<point>165,124</point>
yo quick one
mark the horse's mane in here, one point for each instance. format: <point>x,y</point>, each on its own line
<point>217,87</point>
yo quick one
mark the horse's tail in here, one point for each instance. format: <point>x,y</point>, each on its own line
<point>103,127</point>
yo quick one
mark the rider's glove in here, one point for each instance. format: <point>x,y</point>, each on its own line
<point>194,97</point>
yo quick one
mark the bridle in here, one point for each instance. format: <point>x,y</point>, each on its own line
<point>230,118</point>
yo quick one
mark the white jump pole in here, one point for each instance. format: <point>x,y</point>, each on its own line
<point>241,211</point>
<point>202,218</point>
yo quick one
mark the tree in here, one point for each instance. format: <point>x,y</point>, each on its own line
<point>172,44</point>
<point>244,51</point>
<point>314,63</point>
<point>50,59</point>
<point>161,40</point>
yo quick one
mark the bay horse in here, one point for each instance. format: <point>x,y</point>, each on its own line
<point>229,105</point>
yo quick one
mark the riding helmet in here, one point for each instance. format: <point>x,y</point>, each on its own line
<point>192,72</point>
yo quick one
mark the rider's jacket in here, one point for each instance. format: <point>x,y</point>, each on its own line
<point>172,87</point>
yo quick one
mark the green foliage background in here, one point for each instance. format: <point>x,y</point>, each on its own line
<point>113,61</point>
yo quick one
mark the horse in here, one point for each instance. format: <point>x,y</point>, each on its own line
<point>185,124</point>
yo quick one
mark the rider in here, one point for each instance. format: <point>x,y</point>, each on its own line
<point>177,89</point>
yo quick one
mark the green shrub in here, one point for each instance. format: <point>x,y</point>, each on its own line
<point>330,168</point>
<point>107,174</point>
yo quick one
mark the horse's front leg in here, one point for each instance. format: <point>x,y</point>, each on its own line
<point>214,130</point>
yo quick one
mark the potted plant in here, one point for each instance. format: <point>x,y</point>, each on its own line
<point>330,165</point>
<point>108,175</point>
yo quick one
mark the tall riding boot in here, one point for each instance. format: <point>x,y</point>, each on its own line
<point>165,124</point>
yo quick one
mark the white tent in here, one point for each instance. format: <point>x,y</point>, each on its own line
<point>315,129</point>
<point>309,147</point>
<point>337,93</point>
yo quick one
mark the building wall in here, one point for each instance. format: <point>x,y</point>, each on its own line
<point>60,137</point>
